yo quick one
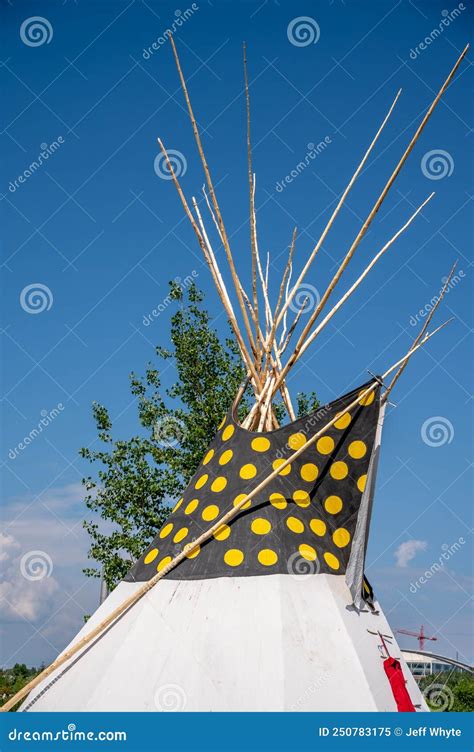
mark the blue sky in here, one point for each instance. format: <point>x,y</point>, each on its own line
<point>97,227</point>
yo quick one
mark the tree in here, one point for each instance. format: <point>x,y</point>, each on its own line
<point>13,679</point>
<point>451,691</point>
<point>139,477</point>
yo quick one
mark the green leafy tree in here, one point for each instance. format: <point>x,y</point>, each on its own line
<point>451,691</point>
<point>13,679</point>
<point>138,477</point>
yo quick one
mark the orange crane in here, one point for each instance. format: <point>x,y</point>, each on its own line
<point>420,636</point>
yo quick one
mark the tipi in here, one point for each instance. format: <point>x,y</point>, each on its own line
<point>252,595</point>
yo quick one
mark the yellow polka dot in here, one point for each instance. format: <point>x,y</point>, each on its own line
<point>309,472</point>
<point>260,444</point>
<point>221,424</point>
<point>278,501</point>
<point>218,484</point>
<point>368,399</point>
<point>260,526</point>
<point>318,527</point>
<point>277,463</point>
<point>338,470</point>
<point>343,421</point>
<point>163,563</point>
<point>226,457</point>
<point>267,557</point>
<point>166,530</point>
<point>178,505</point>
<point>180,535</point>
<point>248,471</point>
<point>307,552</point>
<point>361,483</point>
<point>296,441</point>
<point>227,433</point>
<point>295,525</point>
<point>210,512</point>
<point>301,498</point>
<point>222,532</point>
<point>151,556</point>
<point>191,554</point>
<point>208,457</point>
<point>325,445</point>
<point>233,557</point>
<point>239,498</point>
<point>190,508</point>
<point>357,449</point>
<point>331,561</point>
<point>201,481</point>
<point>333,504</point>
<point>341,537</point>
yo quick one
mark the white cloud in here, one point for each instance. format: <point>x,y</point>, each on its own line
<point>20,596</point>
<point>8,544</point>
<point>42,615</point>
<point>42,532</point>
<point>407,551</point>
<point>64,501</point>
<point>51,522</point>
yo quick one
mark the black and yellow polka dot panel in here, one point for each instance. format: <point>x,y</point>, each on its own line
<point>303,521</point>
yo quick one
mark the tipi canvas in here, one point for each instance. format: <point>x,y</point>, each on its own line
<point>261,617</point>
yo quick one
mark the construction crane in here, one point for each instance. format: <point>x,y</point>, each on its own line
<point>420,636</point>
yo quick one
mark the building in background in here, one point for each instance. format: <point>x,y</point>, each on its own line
<point>422,663</point>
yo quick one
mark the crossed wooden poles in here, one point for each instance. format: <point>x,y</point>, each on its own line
<point>260,342</point>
